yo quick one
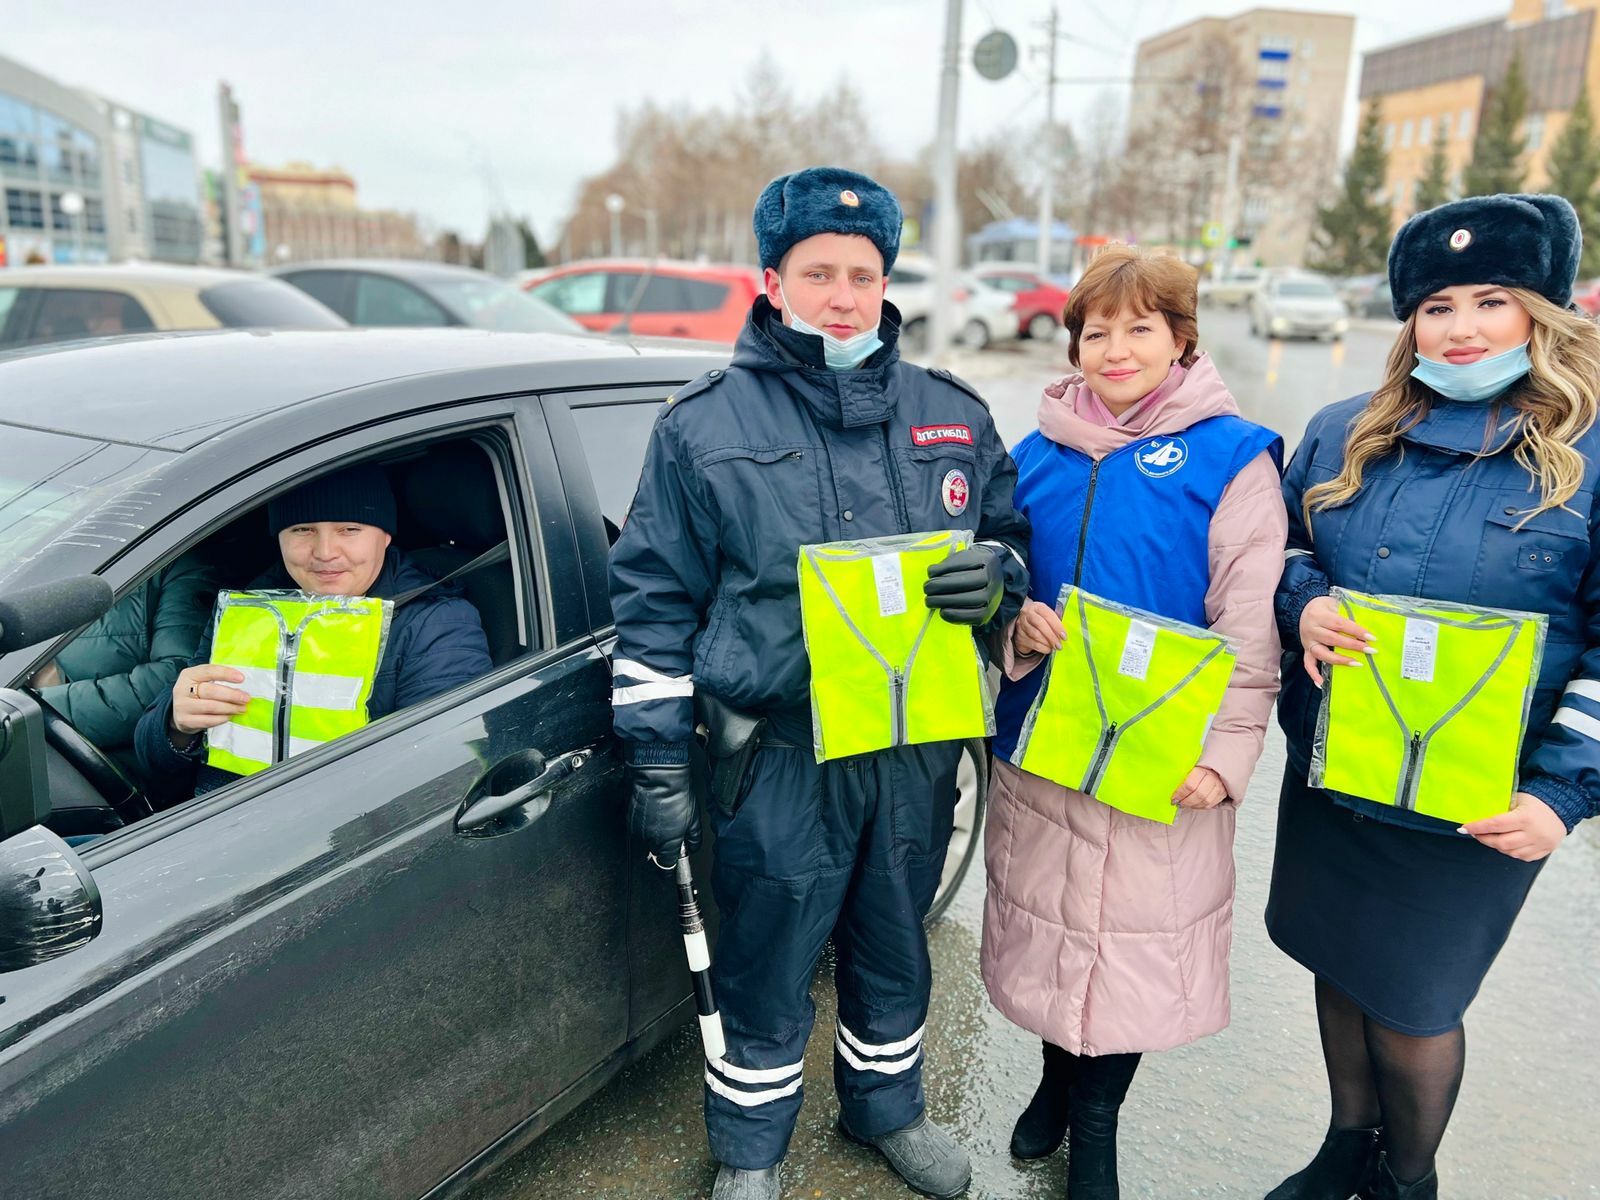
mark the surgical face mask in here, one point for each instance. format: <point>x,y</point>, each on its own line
<point>841,354</point>
<point>1473,383</point>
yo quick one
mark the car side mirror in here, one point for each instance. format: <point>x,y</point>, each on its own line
<point>49,904</point>
<point>24,790</point>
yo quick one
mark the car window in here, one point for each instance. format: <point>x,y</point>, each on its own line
<point>267,304</point>
<point>380,300</point>
<point>1306,288</point>
<point>581,295</point>
<point>326,287</point>
<point>489,303</point>
<point>905,275</point>
<point>8,301</point>
<point>701,295</point>
<point>615,437</point>
<point>85,312</point>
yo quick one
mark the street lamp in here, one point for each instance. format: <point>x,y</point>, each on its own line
<point>614,205</point>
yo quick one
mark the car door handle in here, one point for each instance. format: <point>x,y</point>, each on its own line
<point>557,771</point>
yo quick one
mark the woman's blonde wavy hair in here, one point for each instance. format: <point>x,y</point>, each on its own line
<point>1552,407</point>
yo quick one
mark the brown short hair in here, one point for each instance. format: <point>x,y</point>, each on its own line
<point>1131,277</point>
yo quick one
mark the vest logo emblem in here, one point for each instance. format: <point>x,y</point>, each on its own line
<point>933,435</point>
<point>1160,457</point>
<point>955,493</point>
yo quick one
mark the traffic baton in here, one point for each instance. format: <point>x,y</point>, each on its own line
<point>693,927</point>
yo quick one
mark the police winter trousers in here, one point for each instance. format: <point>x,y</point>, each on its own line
<point>851,848</point>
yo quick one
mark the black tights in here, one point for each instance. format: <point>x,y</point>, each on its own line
<point>1379,1076</point>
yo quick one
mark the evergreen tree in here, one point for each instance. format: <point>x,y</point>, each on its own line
<point>1352,235</point>
<point>1574,167</point>
<point>1434,188</point>
<point>531,253</point>
<point>1497,164</point>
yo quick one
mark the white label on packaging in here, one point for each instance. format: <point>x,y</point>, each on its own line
<point>1136,650</point>
<point>1420,650</point>
<point>891,585</point>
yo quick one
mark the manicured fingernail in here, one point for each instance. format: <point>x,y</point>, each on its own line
<point>1462,829</point>
<point>1355,662</point>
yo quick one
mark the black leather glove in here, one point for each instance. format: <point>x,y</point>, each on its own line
<point>965,589</point>
<point>661,810</point>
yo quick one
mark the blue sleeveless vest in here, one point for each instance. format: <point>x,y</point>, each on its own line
<point>1133,527</point>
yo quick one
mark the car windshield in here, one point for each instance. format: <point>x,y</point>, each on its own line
<point>58,491</point>
<point>267,304</point>
<point>491,304</point>
<point>1305,287</point>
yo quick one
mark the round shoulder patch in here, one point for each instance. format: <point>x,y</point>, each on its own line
<point>955,492</point>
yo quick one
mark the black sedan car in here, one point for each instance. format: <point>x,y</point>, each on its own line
<point>397,292</point>
<point>384,965</point>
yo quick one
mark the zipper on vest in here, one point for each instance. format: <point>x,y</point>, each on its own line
<point>1408,797</point>
<point>897,693</point>
<point>1083,529</point>
<point>1102,752</point>
<point>280,721</point>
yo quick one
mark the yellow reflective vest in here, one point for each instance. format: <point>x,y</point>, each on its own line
<point>308,662</point>
<point>1126,705</point>
<point>1433,722</point>
<point>885,669</point>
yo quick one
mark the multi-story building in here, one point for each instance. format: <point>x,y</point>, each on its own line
<point>1432,90</point>
<point>310,213</point>
<point>1265,89</point>
<point>87,180</point>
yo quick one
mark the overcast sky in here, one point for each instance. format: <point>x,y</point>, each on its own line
<point>424,103</point>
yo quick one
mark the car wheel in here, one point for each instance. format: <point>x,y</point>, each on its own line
<point>975,334</point>
<point>1042,327</point>
<point>972,802</point>
<point>915,334</point>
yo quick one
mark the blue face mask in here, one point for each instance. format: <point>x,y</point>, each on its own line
<point>1473,383</point>
<point>841,354</point>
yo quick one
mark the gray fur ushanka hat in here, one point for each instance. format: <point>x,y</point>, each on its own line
<point>825,200</point>
<point>1526,241</point>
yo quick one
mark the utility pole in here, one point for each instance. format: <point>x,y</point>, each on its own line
<point>1230,204</point>
<point>946,206</point>
<point>1047,189</point>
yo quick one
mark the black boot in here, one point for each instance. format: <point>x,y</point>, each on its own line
<point>1097,1095</point>
<point>1343,1164</point>
<point>1043,1124</point>
<point>1386,1187</point>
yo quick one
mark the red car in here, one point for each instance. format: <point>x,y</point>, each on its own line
<point>1038,302</point>
<point>1586,295</point>
<point>665,298</point>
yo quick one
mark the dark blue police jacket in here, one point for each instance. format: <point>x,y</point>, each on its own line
<point>1444,519</point>
<point>748,464</point>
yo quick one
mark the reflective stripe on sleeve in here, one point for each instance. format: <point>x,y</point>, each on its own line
<point>1587,688</point>
<point>1288,554</point>
<point>1009,550</point>
<point>636,670</point>
<point>1578,722</point>
<point>640,692</point>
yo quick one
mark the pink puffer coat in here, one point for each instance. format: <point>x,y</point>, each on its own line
<point>1107,933</point>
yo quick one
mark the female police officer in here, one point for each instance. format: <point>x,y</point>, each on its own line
<point>817,432</point>
<point>1468,476</point>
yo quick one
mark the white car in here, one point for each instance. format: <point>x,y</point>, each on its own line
<point>1298,305</point>
<point>911,291</point>
<point>1234,289</point>
<point>992,313</point>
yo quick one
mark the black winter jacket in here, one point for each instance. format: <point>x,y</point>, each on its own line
<point>748,464</point>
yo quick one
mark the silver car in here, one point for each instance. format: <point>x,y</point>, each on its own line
<point>1298,306</point>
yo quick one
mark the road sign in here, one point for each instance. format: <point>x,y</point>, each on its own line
<point>1211,235</point>
<point>995,55</point>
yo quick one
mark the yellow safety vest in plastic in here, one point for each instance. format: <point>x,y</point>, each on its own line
<point>886,670</point>
<point>309,663</point>
<point>1126,704</point>
<point>1433,722</point>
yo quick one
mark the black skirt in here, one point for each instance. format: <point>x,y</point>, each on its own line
<point>1405,922</point>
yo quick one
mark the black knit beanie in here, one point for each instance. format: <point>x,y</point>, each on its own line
<point>360,494</point>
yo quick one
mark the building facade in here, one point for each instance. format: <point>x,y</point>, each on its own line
<point>1242,116</point>
<point>309,213</point>
<point>87,180</point>
<point>1431,91</point>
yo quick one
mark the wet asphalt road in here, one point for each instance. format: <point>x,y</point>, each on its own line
<point>1227,1117</point>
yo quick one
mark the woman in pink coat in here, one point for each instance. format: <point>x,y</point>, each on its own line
<point>1104,933</point>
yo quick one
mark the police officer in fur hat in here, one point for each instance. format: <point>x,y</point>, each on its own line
<point>816,432</point>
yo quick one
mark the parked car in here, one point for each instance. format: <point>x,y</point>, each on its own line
<point>657,298</point>
<point>385,966</point>
<point>53,304</point>
<point>991,313</point>
<point>1355,290</point>
<point>1233,290</point>
<point>1298,306</point>
<point>396,292</point>
<point>911,291</point>
<point>1378,304</point>
<point>1039,301</point>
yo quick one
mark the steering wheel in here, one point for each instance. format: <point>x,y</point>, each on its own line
<point>103,773</point>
